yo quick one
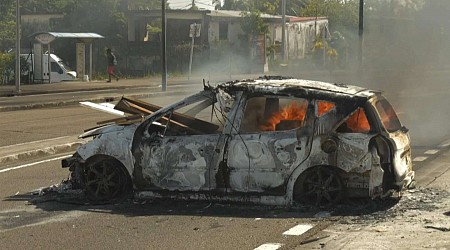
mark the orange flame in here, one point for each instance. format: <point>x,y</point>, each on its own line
<point>358,122</point>
<point>291,112</point>
<point>324,107</point>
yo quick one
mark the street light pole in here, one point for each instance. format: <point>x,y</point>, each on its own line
<point>163,46</point>
<point>17,47</point>
<point>283,29</point>
<point>361,32</point>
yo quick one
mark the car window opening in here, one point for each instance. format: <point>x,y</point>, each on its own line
<point>388,116</point>
<point>355,123</point>
<point>324,107</point>
<point>273,114</point>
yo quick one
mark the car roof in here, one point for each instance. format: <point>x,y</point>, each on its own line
<point>298,87</point>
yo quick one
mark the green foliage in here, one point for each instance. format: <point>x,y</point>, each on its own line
<point>340,14</point>
<point>7,24</point>
<point>144,4</point>
<point>267,6</point>
<point>6,60</point>
<point>44,6</point>
<point>253,24</point>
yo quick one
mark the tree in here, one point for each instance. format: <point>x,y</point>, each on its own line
<point>253,24</point>
<point>7,24</point>
<point>264,6</point>
<point>144,4</point>
<point>342,15</point>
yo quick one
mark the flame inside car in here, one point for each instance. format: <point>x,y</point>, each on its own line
<point>268,141</point>
<point>291,115</point>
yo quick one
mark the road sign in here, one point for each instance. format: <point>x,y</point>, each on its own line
<point>194,30</point>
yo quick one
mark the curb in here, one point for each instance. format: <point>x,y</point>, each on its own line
<point>57,149</point>
<point>73,102</point>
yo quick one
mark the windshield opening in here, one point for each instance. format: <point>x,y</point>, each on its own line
<point>388,116</point>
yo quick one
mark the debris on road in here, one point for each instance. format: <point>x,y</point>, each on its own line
<point>314,239</point>
<point>443,229</point>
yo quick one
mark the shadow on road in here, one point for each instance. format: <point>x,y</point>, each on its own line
<point>134,208</point>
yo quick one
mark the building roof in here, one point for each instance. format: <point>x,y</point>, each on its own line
<point>48,37</point>
<point>305,19</point>
<point>237,14</point>
<point>70,35</point>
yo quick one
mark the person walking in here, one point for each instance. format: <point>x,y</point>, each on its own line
<point>112,62</point>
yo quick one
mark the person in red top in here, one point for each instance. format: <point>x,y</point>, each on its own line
<point>112,62</point>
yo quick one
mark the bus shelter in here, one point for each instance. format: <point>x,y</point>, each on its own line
<point>46,38</point>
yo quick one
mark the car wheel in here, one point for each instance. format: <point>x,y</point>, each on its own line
<point>319,186</point>
<point>106,180</point>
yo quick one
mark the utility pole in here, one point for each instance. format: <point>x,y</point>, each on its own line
<point>163,46</point>
<point>283,30</point>
<point>361,33</point>
<point>17,47</point>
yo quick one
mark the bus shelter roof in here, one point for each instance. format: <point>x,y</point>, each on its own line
<point>48,37</point>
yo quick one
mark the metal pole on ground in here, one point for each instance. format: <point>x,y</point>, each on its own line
<point>192,52</point>
<point>17,47</point>
<point>283,30</point>
<point>361,33</point>
<point>163,45</point>
<point>49,63</point>
<point>90,61</point>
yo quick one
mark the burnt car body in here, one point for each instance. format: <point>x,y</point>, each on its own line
<point>274,141</point>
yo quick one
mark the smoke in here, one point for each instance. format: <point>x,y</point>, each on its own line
<point>227,66</point>
<point>406,54</point>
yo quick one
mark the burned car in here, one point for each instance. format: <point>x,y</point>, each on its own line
<point>273,140</point>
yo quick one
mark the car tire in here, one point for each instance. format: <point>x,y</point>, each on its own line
<point>106,180</point>
<point>319,186</point>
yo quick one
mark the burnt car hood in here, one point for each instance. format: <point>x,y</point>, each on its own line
<point>101,130</point>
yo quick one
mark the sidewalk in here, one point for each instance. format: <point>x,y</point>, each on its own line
<point>72,86</point>
<point>42,148</point>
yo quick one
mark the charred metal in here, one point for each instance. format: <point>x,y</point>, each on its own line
<point>272,140</point>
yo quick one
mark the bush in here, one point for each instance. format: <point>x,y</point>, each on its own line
<point>6,60</point>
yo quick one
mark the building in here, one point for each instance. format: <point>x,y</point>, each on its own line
<point>222,43</point>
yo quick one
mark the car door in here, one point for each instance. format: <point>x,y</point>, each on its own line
<point>354,136</point>
<point>175,150</point>
<point>270,143</point>
<point>182,162</point>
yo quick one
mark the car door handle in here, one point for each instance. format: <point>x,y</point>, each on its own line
<point>298,148</point>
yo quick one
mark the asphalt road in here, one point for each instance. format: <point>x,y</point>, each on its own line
<point>131,225</point>
<point>138,224</point>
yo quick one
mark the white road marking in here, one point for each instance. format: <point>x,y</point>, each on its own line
<point>420,158</point>
<point>431,152</point>
<point>33,163</point>
<point>445,144</point>
<point>269,246</point>
<point>298,230</point>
